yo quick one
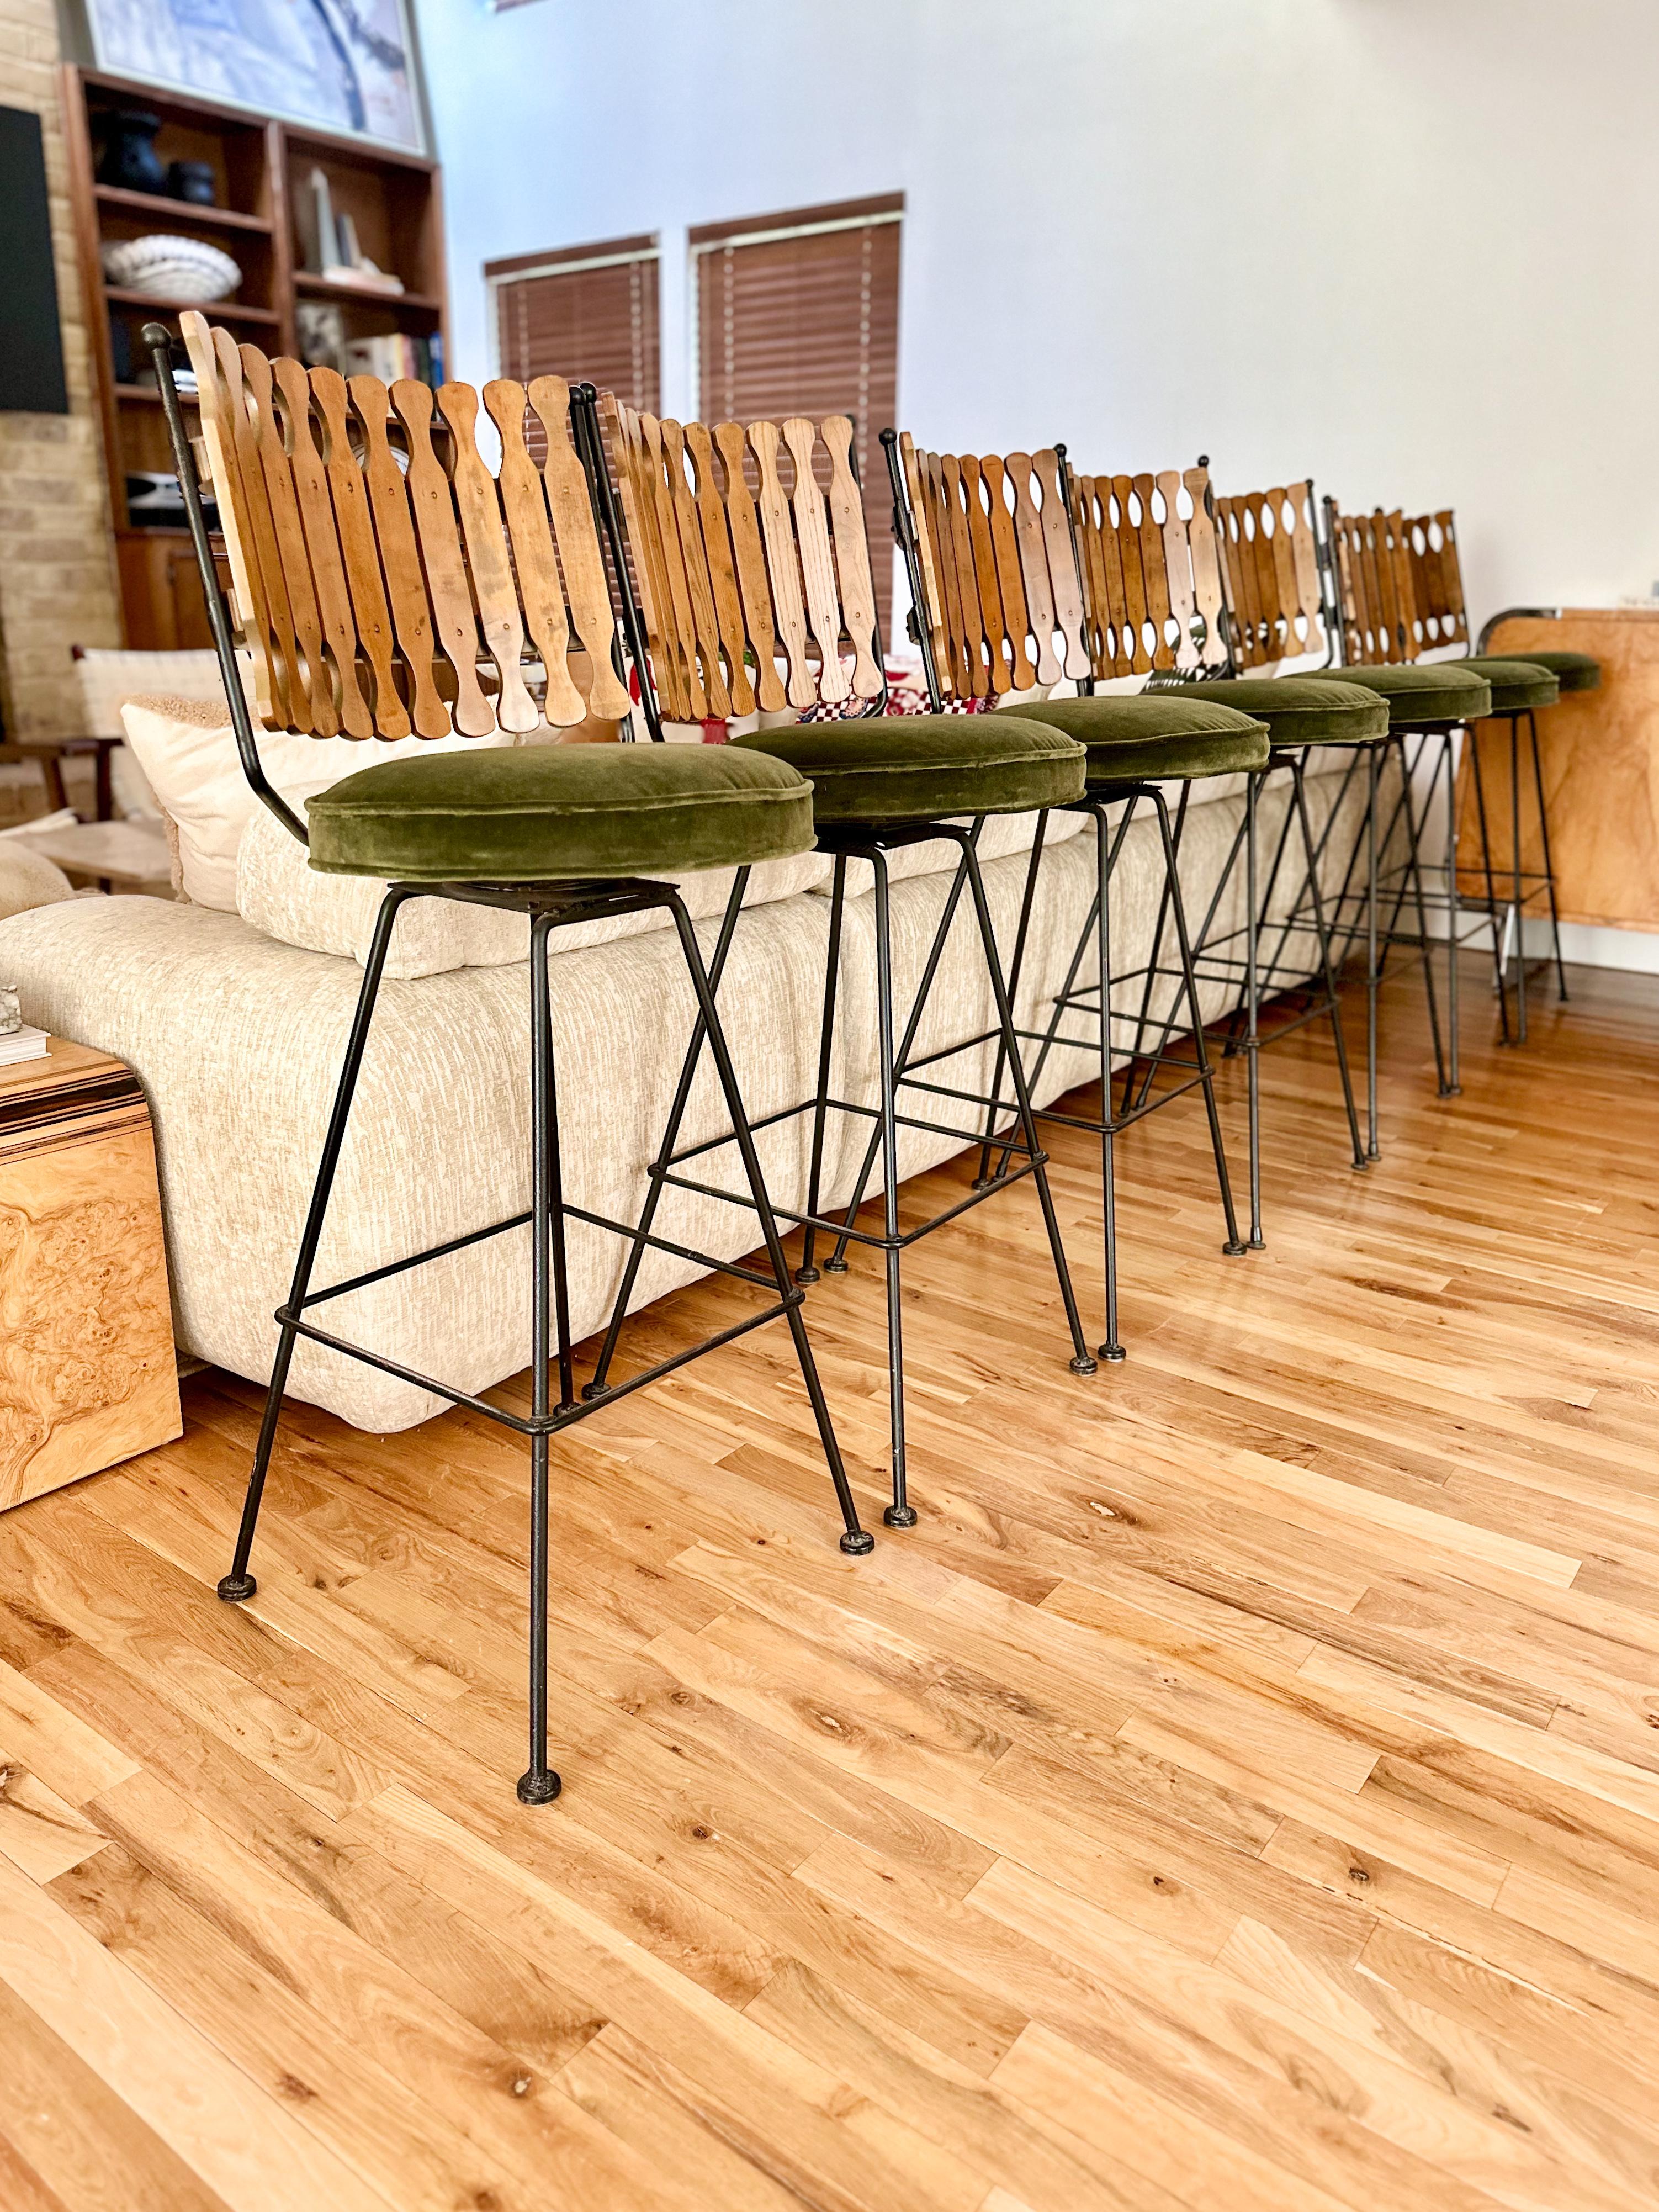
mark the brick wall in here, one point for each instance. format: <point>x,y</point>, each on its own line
<point>57,586</point>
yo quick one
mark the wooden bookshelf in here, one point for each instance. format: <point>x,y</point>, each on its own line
<point>261,168</point>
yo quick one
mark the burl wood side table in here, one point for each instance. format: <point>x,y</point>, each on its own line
<point>87,1370</point>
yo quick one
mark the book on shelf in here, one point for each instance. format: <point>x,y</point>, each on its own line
<point>394,355</point>
<point>24,1043</point>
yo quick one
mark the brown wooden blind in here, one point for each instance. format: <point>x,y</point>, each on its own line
<point>584,311</point>
<point>797,314</point>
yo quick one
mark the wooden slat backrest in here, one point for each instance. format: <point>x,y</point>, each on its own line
<point>748,551</point>
<point>384,577</point>
<point>1003,601</point>
<point>1429,552</point>
<point>1375,588</point>
<point>1270,546</point>
<point>1151,573</point>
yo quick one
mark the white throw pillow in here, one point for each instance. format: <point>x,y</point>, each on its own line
<point>187,750</point>
<point>280,894</point>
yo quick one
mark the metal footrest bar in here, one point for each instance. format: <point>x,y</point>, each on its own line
<point>570,1411</point>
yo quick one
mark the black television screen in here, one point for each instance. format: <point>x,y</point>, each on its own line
<point>31,342</point>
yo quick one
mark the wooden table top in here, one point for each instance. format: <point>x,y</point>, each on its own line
<point>74,1091</point>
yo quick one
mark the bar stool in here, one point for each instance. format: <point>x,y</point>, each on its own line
<point>356,584</point>
<point>997,600</point>
<point>1399,594</point>
<point>1279,609</point>
<point>1155,597</point>
<point>752,587</point>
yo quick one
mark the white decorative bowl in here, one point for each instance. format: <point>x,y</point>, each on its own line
<point>171,268</point>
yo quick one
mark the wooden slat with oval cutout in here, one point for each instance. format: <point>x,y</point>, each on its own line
<point>857,592</point>
<point>483,535</point>
<point>432,501</point>
<point>587,594</point>
<point>540,592</point>
<point>250,601</point>
<point>749,555</point>
<point>371,614</point>
<point>321,718</point>
<point>339,630</point>
<point>400,557</point>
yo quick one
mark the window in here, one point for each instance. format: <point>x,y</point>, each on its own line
<point>581,312</point>
<point>797,314</point>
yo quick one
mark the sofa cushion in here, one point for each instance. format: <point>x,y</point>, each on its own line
<point>187,750</point>
<point>926,768</point>
<point>281,895</point>
<point>552,812</point>
<point>1145,736</point>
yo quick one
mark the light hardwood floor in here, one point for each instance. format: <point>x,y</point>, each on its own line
<point>1239,1793</point>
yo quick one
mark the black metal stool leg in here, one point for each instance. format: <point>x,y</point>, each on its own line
<point>854,1538</point>
<point>1080,1363</point>
<point>601,1374</point>
<point>538,1784</point>
<point>1413,882</point>
<point>1113,1347</point>
<point>1519,910</point>
<point>837,1263</point>
<point>239,1584</point>
<point>901,1514</point>
<point>1454,1083</point>
<point>1373,978</point>
<point>1016,967</point>
<point>1233,1247</point>
<point>1252,1005</point>
<point>1323,935</point>
<point>1499,979</point>
<point>807,1272</point>
<point>1549,863</point>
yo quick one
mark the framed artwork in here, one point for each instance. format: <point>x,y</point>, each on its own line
<point>338,65</point>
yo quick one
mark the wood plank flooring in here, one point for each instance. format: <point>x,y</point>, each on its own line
<point>1240,1794</point>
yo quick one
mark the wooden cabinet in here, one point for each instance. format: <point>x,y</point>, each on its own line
<point>261,170</point>
<point>88,1375</point>
<point>1599,752</point>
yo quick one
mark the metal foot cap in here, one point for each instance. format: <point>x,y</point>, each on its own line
<point>594,1390</point>
<point>857,1542</point>
<point>1257,1245</point>
<point>1082,1365</point>
<point>835,1267</point>
<point>900,1517</point>
<point>1114,1353</point>
<point>234,1588</point>
<point>1235,1250</point>
<point>539,1788</point>
<point>807,1274</point>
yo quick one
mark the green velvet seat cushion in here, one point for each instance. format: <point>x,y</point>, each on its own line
<point>926,768</point>
<point>1516,684</point>
<point>1147,736</point>
<point>1573,671</point>
<point>1418,694</point>
<point>528,814</point>
<point>1302,710</point>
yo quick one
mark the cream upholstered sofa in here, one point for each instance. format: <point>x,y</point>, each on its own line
<point>238,1035</point>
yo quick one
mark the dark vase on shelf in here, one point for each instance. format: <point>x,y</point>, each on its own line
<point>193,181</point>
<point>129,158</point>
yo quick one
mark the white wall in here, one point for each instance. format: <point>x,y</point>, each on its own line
<point>1411,246</point>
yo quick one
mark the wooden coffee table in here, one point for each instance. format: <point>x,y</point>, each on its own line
<point>87,1370</point>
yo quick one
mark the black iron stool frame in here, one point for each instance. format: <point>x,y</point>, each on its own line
<point>869,841</point>
<point>1202,954</point>
<point>548,906</point>
<point>1085,1001</point>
